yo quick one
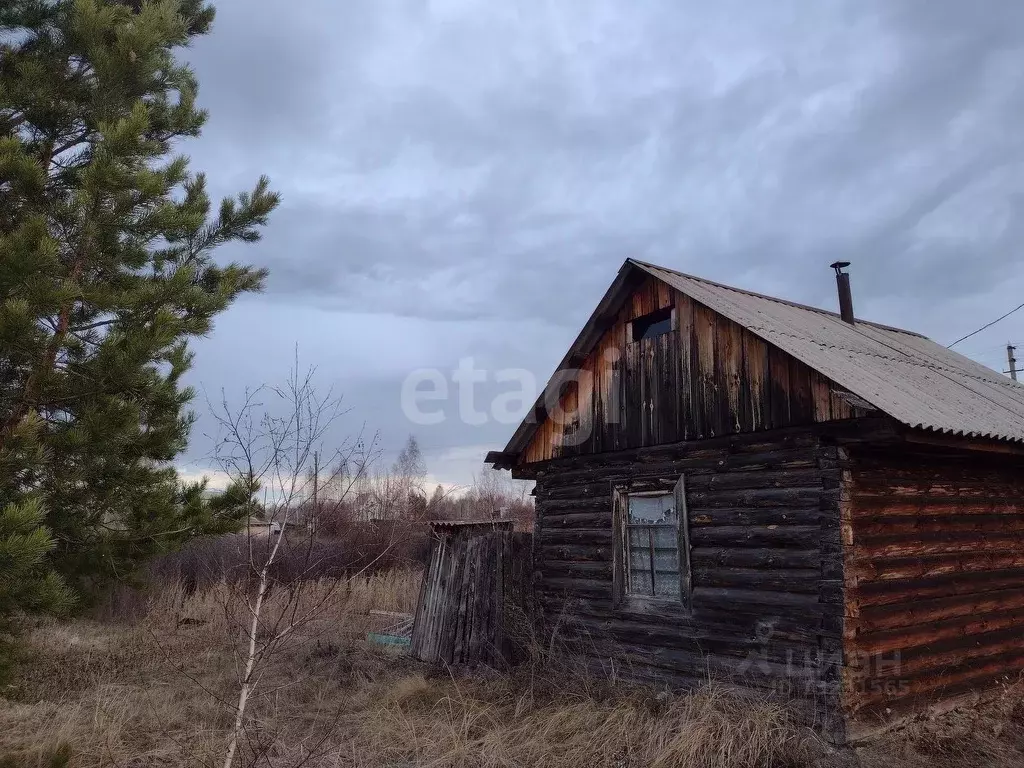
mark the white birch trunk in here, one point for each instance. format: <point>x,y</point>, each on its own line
<point>250,665</point>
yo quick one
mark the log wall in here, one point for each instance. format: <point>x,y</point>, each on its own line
<point>706,378</point>
<point>934,573</point>
<point>766,563</point>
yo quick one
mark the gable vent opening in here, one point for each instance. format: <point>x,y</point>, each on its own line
<point>654,324</point>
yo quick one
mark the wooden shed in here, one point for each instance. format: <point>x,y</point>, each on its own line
<point>473,588</point>
<point>733,485</point>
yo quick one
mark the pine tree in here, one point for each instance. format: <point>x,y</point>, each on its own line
<point>27,582</point>
<point>106,273</point>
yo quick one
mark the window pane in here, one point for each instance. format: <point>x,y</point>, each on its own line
<point>640,557</point>
<point>666,537</point>
<point>653,539</point>
<point>640,561</point>
<point>666,561</point>
<point>652,509</point>
<point>640,583</point>
<point>666,584</point>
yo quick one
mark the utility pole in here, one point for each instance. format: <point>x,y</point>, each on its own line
<point>1010,349</point>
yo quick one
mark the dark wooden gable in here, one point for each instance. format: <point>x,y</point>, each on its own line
<point>706,377</point>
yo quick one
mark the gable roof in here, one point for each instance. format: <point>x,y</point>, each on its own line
<point>909,377</point>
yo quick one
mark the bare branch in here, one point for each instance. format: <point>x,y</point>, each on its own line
<point>273,441</point>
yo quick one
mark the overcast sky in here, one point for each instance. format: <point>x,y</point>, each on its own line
<point>463,178</point>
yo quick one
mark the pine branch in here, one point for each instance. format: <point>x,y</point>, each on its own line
<point>79,138</point>
<point>91,326</point>
<point>15,122</point>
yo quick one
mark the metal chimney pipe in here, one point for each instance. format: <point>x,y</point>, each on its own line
<point>845,294</point>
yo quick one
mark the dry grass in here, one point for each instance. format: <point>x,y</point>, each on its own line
<point>216,561</point>
<point>991,735</point>
<point>158,692</point>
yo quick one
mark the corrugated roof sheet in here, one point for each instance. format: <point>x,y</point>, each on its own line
<point>913,379</point>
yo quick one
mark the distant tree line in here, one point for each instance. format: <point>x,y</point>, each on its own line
<point>358,490</point>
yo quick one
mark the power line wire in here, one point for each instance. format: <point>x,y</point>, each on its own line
<point>989,350</point>
<point>974,333</point>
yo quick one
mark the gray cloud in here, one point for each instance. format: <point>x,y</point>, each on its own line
<point>462,164</point>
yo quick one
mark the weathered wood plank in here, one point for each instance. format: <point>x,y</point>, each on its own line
<point>694,464</point>
<point>581,519</point>
<point>779,386</point>
<point>759,672</point>
<point>573,552</point>
<point>693,643</point>
<point>764,558</point>
<point>753,516</point>
<point>649,392</point>
<point>702,494</point>
<point>729,343</point>
<point>881,529</point>
<point>801,402</point>
<point>576,586</point>
<point>632,411</point>
<point>956,628</point>
<point>803,581</point>
<point>739,599</point>
<point>962,542</point>
<point>669,387</point>
<point>821,397</point>
<point>877,571</point>
<point>590,536</point>
<point>755,356</point>
<point>706,400</point>
<point>712,618</point>
<point>601,570</point>
<point>686,416</point>
<point>468,590</point>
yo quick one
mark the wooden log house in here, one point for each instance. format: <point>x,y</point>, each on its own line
<point>730,485</point>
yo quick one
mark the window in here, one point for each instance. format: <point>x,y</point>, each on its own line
<point>654,324</point>
<point>652,551</point>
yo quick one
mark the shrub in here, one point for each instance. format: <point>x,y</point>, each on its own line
<point>364,548</point>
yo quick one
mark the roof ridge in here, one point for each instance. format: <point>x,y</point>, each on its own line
<point>778,300</point>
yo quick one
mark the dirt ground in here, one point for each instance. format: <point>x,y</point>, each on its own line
<point>161,691</point>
